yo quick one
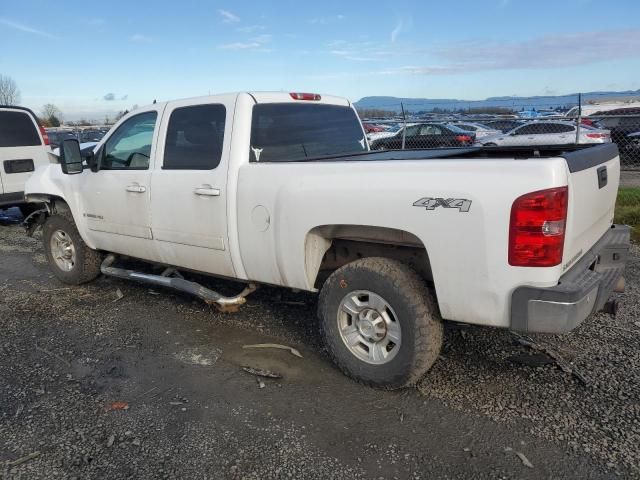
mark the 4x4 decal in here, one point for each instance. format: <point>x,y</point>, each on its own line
<point>462,204</point>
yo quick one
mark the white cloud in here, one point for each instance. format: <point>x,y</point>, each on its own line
<point>326,20</point>
<point>397,30</point>
<point>265,38</point>
<point>138,37</point>
<point>358,51</point>
<point>548,51</point>
<point>239,46</point>
<point>24,28</point>
<point>251,29</point>
<point>228,17</point>
<point>256,43</point>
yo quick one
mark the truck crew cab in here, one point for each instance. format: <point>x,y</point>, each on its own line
<point>281,189</point>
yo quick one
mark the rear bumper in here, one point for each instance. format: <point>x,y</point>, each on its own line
<point>581,291</point>
<point>11,199</point>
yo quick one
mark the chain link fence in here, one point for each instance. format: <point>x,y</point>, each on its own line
<point>524,128</point>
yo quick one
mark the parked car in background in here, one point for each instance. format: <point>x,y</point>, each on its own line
<point>547,133</point>
<point>391,130</point>
<point>503,124</point>
<point>620,122</point>
<point>631,145</point>
<point>23,148</point>
<point>480,130</point>
<point>426,135</point>
<point>57,136</point>
<point>91,135</point>
<point>597,109</point>
<point>372,128</point>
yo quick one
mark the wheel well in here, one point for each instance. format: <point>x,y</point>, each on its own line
<point>331,246</point>
<point>52,201</point>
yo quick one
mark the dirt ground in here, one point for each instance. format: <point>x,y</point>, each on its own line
<point>71,360</point>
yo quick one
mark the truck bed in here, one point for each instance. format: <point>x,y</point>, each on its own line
<point>578,157</point>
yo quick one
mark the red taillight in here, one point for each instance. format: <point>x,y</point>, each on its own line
<point>537,228</point>
<point>464,138</point>
<point>598,135</point>
<point>45,137</point>
<point>305,96</point>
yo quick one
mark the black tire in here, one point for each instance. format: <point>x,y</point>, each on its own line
<point>490,144</point>
<point>416,311</point>
<point>87,261</point>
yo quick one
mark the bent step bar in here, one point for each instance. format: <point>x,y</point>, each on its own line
<point>224,304</point>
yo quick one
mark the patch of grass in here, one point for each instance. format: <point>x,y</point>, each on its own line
<point>628,210</point>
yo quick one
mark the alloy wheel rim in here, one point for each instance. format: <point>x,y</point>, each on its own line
<point>369,327</point>
<point>63,251</point>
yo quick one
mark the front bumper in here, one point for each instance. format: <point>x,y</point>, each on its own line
<point>584,289</point>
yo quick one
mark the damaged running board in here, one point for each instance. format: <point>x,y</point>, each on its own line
<point>224,304</point>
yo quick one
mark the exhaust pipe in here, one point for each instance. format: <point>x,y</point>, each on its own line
<point>224,304</point>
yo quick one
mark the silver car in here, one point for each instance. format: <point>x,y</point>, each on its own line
<point>547,133</point>
<point>481,131</point>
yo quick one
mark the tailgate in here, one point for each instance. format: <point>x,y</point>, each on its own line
<point>593,187</point>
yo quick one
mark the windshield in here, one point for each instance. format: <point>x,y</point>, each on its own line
<point>285,132</point>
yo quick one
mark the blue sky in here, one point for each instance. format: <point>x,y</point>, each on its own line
<point>91,59</point>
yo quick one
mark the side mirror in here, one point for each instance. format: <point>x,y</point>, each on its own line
<point>70,157</point>
<point>92,161</point>
<point>90,157</point>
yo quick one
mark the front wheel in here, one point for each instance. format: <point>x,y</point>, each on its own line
<point>380,323</point>
<point>71,260</point>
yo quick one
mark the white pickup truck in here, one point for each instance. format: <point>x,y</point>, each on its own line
<point>281,189</point>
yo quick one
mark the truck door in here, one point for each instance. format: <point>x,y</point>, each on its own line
<point>21,150</point>
<point>115,200</point>
<point>189,185</point>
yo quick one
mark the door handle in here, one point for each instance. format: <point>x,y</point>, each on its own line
<point>207,191</point>
<point>135,188</point>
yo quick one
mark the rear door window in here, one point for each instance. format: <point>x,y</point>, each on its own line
<point>194,138</point>
<point>286,132</point>
<point>560,128</point>
<point>17,130</point>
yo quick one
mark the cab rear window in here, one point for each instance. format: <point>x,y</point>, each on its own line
<point>17,130</point>
<point>288,132</point>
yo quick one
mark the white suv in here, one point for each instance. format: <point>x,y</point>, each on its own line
<point>23,148</point>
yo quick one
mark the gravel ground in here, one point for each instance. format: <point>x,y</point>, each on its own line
<point>67,354</point>
<point>601,418</point>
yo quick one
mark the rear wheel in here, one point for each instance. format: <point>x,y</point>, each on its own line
<point>380,323</point>
<point>490,144</point>
<point>71,260</point>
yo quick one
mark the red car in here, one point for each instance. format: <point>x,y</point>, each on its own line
<point>370,128</point>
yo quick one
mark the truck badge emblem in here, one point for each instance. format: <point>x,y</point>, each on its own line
<point>429,203</point>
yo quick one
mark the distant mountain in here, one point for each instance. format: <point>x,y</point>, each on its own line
<point>514,103</point>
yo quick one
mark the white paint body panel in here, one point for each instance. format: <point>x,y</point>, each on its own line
<point>14,182</point>
<point>257,228</point>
